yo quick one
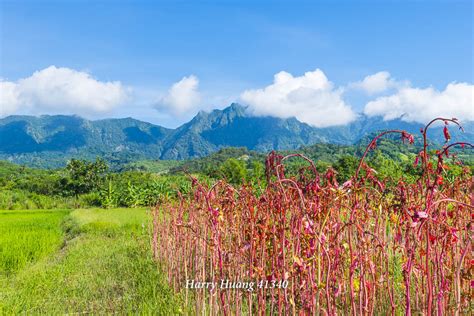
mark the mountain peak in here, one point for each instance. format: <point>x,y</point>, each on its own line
<point>234,110</point>
<point>237,107</point>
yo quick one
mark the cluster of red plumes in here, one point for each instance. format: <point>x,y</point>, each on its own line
<point>363,247</point>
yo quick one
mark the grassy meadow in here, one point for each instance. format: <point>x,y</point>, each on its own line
<point>80,261</point>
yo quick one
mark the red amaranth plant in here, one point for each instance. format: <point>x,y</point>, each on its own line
<point>313,246</point>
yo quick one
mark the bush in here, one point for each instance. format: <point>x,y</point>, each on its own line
<point>91,199</point>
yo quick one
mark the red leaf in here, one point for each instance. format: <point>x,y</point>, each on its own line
<point>439,180</point>
<point>416,161</point>
<point>447,136</point>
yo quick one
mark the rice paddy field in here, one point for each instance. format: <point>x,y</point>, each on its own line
<point>92,261</point>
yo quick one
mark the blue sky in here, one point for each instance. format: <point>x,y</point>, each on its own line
<point>234,46</point>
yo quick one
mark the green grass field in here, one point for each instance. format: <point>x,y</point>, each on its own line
<point>85,261</point>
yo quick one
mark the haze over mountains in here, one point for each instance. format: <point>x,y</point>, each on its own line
<point>56,138</point>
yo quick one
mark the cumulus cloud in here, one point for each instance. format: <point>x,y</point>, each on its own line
<point>182,98</point>
<point>9,98</point>
<point>310,98</point>
<point>60,90</point>
<point>376,83</point>
<point>421,105</point>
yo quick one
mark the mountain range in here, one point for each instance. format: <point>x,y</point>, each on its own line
<point>56,138</point>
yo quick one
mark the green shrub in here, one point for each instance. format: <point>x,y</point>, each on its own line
<point>92,199</point>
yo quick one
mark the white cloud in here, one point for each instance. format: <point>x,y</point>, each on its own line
<point>60,90</point>
<point>9,98</point>
<point>376,83</point>
<point>422,105</point>
<point>182,98</point>
<point>310,98</point>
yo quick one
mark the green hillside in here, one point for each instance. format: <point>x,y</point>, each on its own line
<point>50,141</point>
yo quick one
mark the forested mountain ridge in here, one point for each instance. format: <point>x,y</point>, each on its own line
<point>51,140</point>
